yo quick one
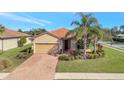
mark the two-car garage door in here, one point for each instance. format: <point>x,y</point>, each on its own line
<point>46,43</point>
<point>45,47</point>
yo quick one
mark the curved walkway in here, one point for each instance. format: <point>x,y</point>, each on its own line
<point>37,67</point>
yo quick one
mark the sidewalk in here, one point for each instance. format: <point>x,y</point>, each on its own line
<point>3,75</point>
<point>90,76</point>
<point>113,48</point>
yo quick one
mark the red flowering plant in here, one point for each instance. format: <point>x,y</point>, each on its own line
<point>72,52</point>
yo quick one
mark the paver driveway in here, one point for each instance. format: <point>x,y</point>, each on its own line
<point>37,67</point>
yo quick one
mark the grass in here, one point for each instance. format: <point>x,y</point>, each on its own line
<point>11,56</point>
<point>113,62</point>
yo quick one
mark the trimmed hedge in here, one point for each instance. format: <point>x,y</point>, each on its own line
<point>24,53</point>
<point>118,39</point>
<point>64,57</point>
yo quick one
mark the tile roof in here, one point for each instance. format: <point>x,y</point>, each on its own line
<point>60,33</point>
<point>11,34</point>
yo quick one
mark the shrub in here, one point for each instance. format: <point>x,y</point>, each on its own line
<point>89,56</point>
<point>99,47</point>
<point>64,57</point>
<point>72,58</point>
<point>22,41</point>
<point>118,39</point>
<point>72,52</point>
<point>79,56</point>
<point>103,54</point>
<point>76,57</point>
<point>4,64</point>
<point>94,56</point>
<point>78,52</point>
<point>22,55</point>
<point>28,50</point>
<point>1,52</point>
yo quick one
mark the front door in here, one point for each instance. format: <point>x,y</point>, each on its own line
<point>67,45</point>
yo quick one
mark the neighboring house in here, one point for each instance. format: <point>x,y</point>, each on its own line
<point>54,41</point>
<point>120,36</point>
<point>9,39</point>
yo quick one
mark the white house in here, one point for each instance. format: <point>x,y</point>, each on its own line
<point>9,39</point>
<point>120,36</point>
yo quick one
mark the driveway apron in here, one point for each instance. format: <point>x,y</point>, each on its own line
<point>37,67</point>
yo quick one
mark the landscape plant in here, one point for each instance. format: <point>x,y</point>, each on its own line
<point>2,29</point>
<point>87,23</point>
<point>22,41</point>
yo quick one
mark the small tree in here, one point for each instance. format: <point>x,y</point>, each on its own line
<point>22,41</point>
<point>2,28</point>
<point>20,30</point>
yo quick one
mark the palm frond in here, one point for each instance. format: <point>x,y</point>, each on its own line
<point>96,31</point>
<point>76,23</point>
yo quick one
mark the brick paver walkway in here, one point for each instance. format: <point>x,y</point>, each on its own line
<point>37,67</point>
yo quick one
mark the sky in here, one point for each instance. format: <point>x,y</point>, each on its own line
<point>54,20</point>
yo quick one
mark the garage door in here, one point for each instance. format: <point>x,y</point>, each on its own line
<point>45,48</point>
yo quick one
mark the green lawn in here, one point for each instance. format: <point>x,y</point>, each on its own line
<point>112,62</point>
<point>11,56</point>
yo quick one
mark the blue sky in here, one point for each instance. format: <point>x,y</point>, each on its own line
<point>54,20</point>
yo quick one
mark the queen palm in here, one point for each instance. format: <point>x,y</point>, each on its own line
<point>84,27</point>
<point>122,27</point>
<point>96,34</point>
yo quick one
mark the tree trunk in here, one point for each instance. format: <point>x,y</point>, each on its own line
<point>95,42</point>
<point>85,47</point>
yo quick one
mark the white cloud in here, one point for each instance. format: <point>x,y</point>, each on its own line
<point>39,20</point>
<point>25,19</point>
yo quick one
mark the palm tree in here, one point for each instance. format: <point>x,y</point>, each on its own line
<point>20,30</point>
<point>114,30</point>
<point>122,28</point>
<point>2,28</point>
<point>84,25</point>
<point>96,34</point>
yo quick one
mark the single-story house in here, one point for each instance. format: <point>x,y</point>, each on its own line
<point>9,39</point>
<point>54,41</point>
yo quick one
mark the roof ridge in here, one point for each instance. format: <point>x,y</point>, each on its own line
<point>12,33</point>
<point>15,31</point>
<point>59,29</point>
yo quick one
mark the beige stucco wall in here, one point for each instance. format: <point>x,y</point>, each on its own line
<point>61,45</point>
<point>73,44</point>
<point>46,38</point>
<point>28,41</point>
<point>10,43</point>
